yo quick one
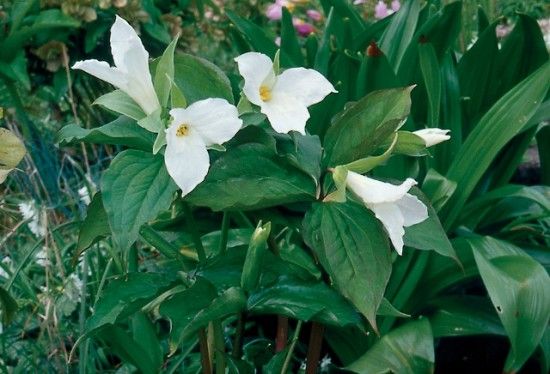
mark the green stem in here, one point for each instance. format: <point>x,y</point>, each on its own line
<point>162,245</point>
<point>225,232</point>
<point>205,357</point>
<point>238,341</point>
<point>194,233</point>
<point>291,348</point>
<point>219,345</point>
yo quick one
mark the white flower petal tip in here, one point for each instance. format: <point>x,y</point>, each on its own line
<point>391,204</point>
<point>131,71</point>
<point>433,136</point>
<point>283,98</point>
<point>191,131</point>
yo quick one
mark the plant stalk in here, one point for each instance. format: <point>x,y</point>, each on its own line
<point>292,346</point>
<point>282,333</point>
<point>314,348</point>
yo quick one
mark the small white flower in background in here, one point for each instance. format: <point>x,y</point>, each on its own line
<point>391,204</point>
<point>282,98</point>
<point>41,257</point>
<point>325,362</point>
<point>433,136</point>
<point>84,195</point>
<point>193,129</point>
<point>35,218</point>
<point>131,71</point>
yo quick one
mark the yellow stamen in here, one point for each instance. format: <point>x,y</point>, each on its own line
<point>265,93</point>
<point>182,130</point>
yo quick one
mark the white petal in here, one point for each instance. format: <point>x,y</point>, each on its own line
<point>285,113</point>
<point>257,70</point>
<point>186,160</point>
<point>215,120</point>
<point>132,59</point>
<point>4,174</point>
<point>433,136</point>
<point>103,71</point>
<point>307,85</point>
<point>372,191</point>
<point>413,210</point>
<point>392,219</point>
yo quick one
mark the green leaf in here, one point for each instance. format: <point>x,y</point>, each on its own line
<point>353,248</point>
<point>474,72</point>
<point>125,295</point>
<point>305,301</point>
<point>8,306</point>
<point>375,72</point>
<point>254,257</point>
<point>429,234</point>
<point>193,308</point>
<point>365,125</point>
<point>122,131</point>
<point>94,227</point>
<point>464,316</point>
<point>252,176</point>
<point>302,151</point>
<point>432,80</point>
<point>405,350</point>
<point>144,334</point>
<point>438,188</point>
<point>200,79</point>
<point>118,101</point>
<point>164,74</point>
<point>498,126</point>
<point>519,288</point>
<point>400,31</point>
<point>128,349</point>
<point>289,41</point>
<point>136,188</point>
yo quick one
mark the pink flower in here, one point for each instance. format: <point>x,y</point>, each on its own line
<point>303,28</point>
<point>314,15</point>
<point>395,5</point>
<point>380,10</point>
<point>275,11</point>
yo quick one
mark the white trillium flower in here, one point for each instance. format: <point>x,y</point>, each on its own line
<point>433,136</point>
<point>131,71</point>
<point>282,98</point>
<point>193,129</point>
<point>391,204</point>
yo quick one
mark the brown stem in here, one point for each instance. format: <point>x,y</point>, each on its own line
<point>205,357</point>
<point>282,333</point>
<point>314,348</point>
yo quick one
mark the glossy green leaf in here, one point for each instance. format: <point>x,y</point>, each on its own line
<point>144,334</point>
<point>365,125</point>
<point>305,301</point>
<point>136,188</point>
<point>119,102</point>
<point>500,124</point>
<point>122,131</point>
<point>429,67</point>
<point>353,248</point>
<point>438,188</point>
<point>400,32</point>
<point>519,288</point>
<point>375,73</point>
<point>405,350</point>
<point>252,176</point>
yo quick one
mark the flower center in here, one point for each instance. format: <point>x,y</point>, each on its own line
<point>182,130</point>
<point>265,93</point>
